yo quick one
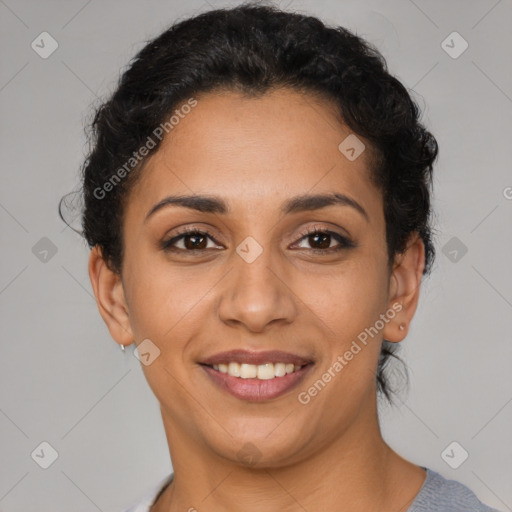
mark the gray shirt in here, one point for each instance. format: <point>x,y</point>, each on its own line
<point>437,494</point>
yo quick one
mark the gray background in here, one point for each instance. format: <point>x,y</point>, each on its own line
<point>64,381</point>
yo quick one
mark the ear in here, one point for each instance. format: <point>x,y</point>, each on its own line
<point>110,298</point>
<point>404,288</point>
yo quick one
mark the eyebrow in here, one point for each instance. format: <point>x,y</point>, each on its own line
<point>212,204</point>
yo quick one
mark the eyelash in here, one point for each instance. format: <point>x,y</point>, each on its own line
<point>345,243</point>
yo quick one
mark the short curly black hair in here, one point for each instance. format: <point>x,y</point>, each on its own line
<point>253,49</point>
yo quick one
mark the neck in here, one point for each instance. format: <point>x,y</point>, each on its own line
<point>358,469</point>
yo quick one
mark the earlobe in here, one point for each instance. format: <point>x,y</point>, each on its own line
<point>404,289</point>
<point>110,298</point>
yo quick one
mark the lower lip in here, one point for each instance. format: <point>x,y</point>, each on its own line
<point>256,390</point>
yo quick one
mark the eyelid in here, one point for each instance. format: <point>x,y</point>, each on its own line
<point>311,230</point>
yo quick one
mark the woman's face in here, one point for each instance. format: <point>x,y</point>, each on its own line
<point>260,283</point>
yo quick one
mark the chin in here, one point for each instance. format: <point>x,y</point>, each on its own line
<point>259,450</point>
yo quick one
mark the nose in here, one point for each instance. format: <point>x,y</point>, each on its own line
<point>257,294</point>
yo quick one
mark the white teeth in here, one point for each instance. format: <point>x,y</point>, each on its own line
<point>234,369</point>
<point>265,371</point>
<point>248,371</point>
<point>279,369</point>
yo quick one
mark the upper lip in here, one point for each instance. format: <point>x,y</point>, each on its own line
<point>256,358</point>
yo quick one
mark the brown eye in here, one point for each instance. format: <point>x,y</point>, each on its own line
<point>321,241</point>
<point>196,241</point>
<point>188,241</point>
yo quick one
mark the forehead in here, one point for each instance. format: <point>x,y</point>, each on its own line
<point>246,149</point>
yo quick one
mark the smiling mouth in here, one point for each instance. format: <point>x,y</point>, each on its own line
<point>256,383</point>
<point>256,375</point>
<point>264,371</point>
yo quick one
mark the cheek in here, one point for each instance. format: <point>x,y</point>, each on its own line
<point>163,299</point>
<point>348,299</point>
<point>167,306</point>
<point>164,305</point>
<point>349,304</point>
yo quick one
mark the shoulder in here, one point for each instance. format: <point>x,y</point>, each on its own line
<point>144,503</point>
<point>443,495</point>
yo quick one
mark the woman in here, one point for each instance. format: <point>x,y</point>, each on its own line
<point>257,202</point>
